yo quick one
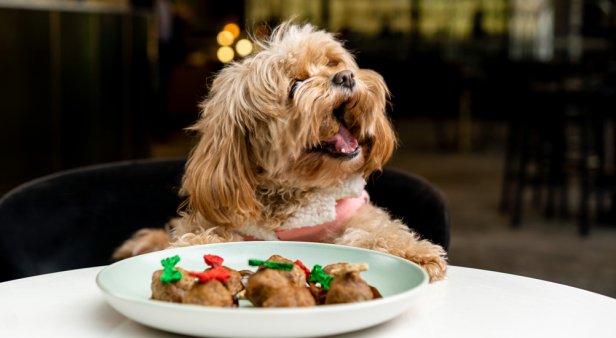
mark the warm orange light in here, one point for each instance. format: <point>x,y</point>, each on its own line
<point>232,28</point>
<point>225,54</point>
<point>225,38</point>
<point>243,47</point>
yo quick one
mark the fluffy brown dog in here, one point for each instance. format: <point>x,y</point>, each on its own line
<point>287,137</point>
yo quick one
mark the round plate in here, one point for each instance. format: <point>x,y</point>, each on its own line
<point>126,286</point>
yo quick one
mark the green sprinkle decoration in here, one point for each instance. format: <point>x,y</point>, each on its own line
<point>170,273</point>
<point>317,275</point>
<point>272,265</point>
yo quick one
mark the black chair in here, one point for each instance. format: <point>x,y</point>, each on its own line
<point>76,218</point>
<point>414,200</point>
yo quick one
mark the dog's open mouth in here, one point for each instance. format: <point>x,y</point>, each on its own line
<point>343,144</point>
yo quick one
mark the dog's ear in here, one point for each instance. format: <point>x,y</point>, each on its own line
<point>219,180</point>
<point>383,145</point>
<point>379,128</point>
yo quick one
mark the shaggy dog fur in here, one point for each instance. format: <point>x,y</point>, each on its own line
<point>284,135</point>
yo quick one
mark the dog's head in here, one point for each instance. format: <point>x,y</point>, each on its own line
<point>298,114</point>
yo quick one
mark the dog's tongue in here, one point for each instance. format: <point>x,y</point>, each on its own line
<point>343,141</point>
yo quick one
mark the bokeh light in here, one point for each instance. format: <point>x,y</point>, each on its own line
<point>225,38</point>
<point>225,54</point>
<point>243,47</point>
<point>232,28</point>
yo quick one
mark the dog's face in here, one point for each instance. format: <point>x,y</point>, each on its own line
<point>298,115</point>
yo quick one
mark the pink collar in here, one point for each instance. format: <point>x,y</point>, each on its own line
<point>345,208</point>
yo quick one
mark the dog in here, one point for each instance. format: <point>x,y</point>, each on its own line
<point>287,138</point>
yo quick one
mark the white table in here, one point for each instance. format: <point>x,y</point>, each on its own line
<point>470,303</point>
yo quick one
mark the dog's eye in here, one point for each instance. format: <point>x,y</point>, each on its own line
<point>294,85</point>
<point>332,63</point>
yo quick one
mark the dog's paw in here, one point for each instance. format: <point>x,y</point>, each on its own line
<point>142,241</point>
<point>431,257</point>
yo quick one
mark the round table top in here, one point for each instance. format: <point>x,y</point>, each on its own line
<point>469,303</point>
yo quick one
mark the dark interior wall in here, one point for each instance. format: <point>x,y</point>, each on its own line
<point>75,88</point>
<point>25,115</point>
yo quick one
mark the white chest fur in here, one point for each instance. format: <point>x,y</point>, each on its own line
<point>319,208</point>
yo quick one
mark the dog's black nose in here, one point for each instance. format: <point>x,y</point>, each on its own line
<point>345,78</point>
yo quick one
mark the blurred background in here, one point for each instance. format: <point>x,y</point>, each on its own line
<point>507,106</point>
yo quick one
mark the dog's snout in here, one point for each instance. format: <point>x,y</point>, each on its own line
<point>345,78</point>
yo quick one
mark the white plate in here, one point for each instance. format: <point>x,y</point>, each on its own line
<point>126,286</point>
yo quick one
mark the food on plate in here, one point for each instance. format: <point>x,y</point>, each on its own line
<point>278,285</point>
<point>215,286</point>
<point>277,282</point>
<point>347,286</point>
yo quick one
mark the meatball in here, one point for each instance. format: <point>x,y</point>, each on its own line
<point>189,290</point>
<point>347,286</point>
<point>171,292</point>
<point>234,283</point>
<point>278,288</point>
<point>290,296</point>
<point>296,276</point>
<point>211,293</point>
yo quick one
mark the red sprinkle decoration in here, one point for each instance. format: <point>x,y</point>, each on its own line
<point>218,272</point>
<point>303,267</point>
<point>213,260</point>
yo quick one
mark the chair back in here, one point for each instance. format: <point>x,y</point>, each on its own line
<point>414,200</point>
<point>76,218</point>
